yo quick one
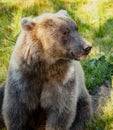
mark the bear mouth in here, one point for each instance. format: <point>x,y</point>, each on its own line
<point>79,57</point>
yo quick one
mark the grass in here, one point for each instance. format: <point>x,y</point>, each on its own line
<point>98,70</point>
<point>104,121</point>
<point>95,21</point>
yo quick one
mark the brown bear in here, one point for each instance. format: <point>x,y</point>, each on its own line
<point>45,85</point>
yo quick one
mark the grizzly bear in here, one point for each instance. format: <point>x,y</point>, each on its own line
<point>45,84</point>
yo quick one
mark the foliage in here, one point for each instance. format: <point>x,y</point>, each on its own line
<point>98,70</point>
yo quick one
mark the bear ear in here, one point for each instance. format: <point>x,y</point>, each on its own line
<point>63,12</point>
<point>27,24</point>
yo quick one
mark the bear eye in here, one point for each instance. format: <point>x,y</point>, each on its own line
<point>66,32</point>
<point>76,28</point>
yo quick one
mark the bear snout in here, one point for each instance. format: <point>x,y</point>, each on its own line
<point>87,49</point>
<point>82,52</point>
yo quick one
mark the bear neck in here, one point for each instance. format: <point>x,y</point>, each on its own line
<point>44,71</point>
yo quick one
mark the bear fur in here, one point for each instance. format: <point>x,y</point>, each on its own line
<point>45,87</point>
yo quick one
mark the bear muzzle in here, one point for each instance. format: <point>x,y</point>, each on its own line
<point>82,53</point>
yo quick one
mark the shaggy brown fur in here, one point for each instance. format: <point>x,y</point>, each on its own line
<point>45,85</point>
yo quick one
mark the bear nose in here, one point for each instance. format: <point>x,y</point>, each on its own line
<point>87,48</point>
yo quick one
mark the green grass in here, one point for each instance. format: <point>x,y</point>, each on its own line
<point>95,21</point>
<point>98,70</point>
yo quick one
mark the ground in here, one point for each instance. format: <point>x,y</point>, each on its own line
<point>102,100</point>
<point>100,95</point>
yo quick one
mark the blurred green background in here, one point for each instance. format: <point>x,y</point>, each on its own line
<point>95,23</point>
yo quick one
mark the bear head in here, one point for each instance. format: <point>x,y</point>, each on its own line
<point>54,37</point>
